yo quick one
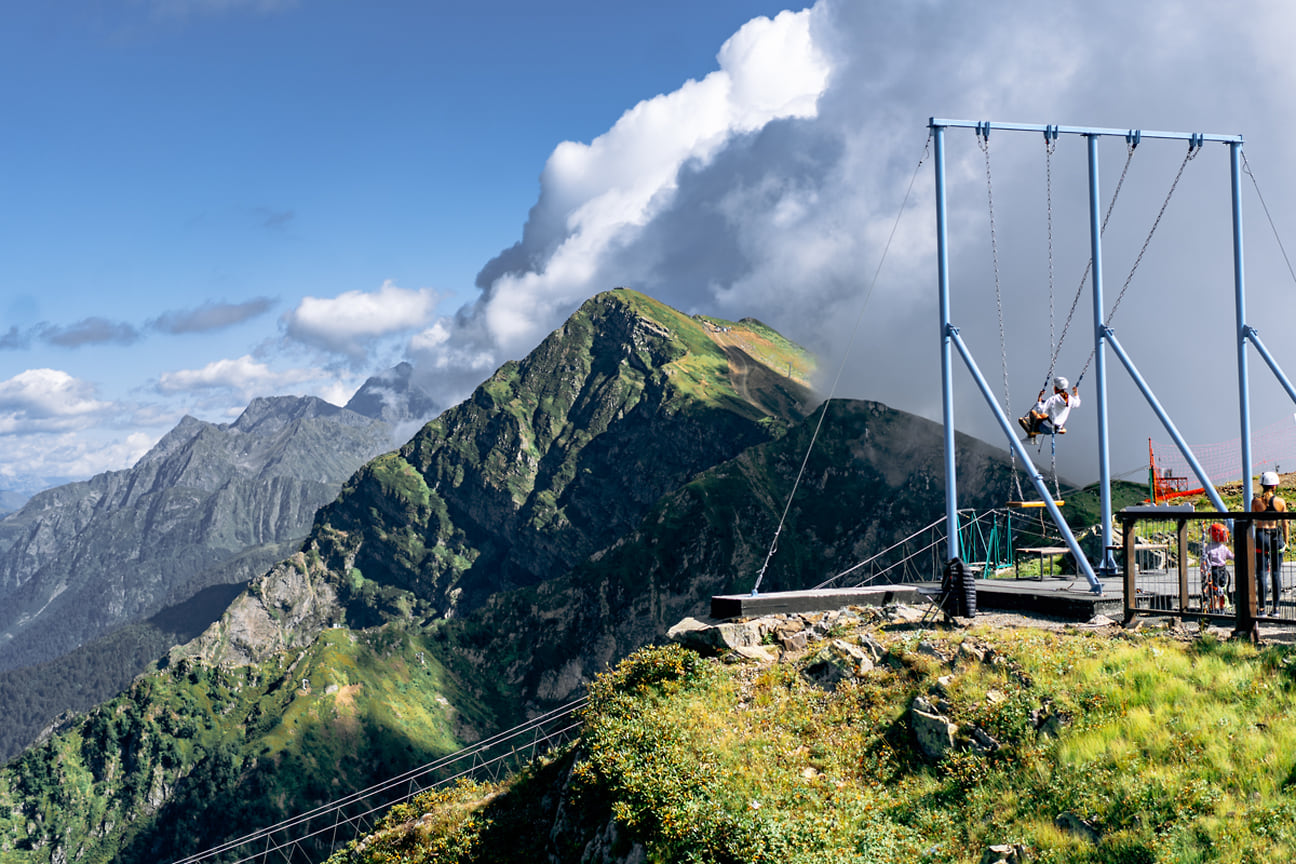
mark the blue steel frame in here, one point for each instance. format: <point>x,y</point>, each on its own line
<point>1103,337</point>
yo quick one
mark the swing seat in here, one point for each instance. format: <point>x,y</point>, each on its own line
<point>1027,504</point>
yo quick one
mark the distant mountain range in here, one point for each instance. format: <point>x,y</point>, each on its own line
<point>206,509</point>
<point>11,500</point>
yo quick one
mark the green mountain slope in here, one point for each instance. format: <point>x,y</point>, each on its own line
<point>580,502</point>
<point>99,578</point>
<point>534,472</point>
<point>550,460</point>
<point>874,476</point>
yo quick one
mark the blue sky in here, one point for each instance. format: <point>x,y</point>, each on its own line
<point>210,200</point>
<point>171,158</point>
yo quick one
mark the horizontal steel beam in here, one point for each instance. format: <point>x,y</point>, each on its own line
<point>1053,131</point>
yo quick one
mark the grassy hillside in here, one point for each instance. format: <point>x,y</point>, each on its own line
<point>179,745</point>
<point>1075,745</point>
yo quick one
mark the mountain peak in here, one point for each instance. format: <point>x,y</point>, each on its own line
<point>392,396</point>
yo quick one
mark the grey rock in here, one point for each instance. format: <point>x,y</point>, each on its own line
<point>1004,853</point>
<point>1085,829</point>
<point>934,733</point>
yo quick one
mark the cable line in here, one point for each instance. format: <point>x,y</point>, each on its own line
<point>1194,147</point>
<point>1246,166</point>
<point>868,293</point>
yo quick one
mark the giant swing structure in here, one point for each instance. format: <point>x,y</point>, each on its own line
<point>1104,339</point>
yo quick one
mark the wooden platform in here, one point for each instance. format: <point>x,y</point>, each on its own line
<point>747,606</point>
<point>1061,597</point>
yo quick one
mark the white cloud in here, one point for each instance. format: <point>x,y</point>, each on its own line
<point>42,400</point>
<point>349,323</point>
<point>244,375</point>
<point>33,462</point>
<point>595,197</point>
<point>770,187</point>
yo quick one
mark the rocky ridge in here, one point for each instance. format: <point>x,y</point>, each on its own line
<point>134,561</point>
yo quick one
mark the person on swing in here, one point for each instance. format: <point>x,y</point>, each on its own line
<point>1049,416</point>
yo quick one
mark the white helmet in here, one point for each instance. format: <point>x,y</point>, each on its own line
<point>1269,478</point>
<point>1061,383</point>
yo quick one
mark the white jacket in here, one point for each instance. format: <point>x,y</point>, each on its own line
<point>1058,407</point>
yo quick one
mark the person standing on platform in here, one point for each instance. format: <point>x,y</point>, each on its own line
<point>1271,541</point>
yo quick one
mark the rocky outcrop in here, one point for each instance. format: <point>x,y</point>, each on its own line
<point>210,504</point>
<point>131,561</point>
<point>829,648</point>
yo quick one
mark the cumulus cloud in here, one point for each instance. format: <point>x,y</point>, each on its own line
<point>347,324</point>
<point>596,199</point>
<point>89,331</point>
<point>770,187</point>
<point>210,316</point>
<point>43,400</point>
<point>244,375</point>
<point>61,457</point>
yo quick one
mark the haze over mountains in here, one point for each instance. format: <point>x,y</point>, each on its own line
<point>171,540</point>
<point>574,507</point>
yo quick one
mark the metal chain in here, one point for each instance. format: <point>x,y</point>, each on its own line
<point>983,141</point>
<point>1075,301</point>
<point>1050,144</point>
<point>1193,150</point>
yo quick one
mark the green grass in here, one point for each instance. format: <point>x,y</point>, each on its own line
<point>1178,750</point>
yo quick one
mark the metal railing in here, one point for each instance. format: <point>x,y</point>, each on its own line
<point>988,536</point>
<point>318,833</point>
<point>1161,552</point>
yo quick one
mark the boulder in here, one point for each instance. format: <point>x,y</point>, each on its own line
<point>1004,853</point>
<point>1086,829</point>
<point>934,732</point>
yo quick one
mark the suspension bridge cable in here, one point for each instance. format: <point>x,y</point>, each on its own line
<point>473,749</point>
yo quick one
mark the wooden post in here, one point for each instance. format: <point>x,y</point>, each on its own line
<point>1182,535</point>
<point>1244,567</point>
<point>1131,568</point>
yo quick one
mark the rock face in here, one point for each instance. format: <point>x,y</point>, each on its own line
<point>209,507</point>
<point>550,460</point>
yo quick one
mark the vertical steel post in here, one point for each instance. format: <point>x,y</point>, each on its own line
<point>1107,566</point>
<point>1239,291</point>
<point>947,361</point>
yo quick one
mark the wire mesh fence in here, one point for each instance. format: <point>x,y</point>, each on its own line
<point>1222,565</point>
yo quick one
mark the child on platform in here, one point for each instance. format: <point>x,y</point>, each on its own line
<point>1214,569</point>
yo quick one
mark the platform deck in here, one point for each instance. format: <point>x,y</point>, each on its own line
<point>1061,597</point>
